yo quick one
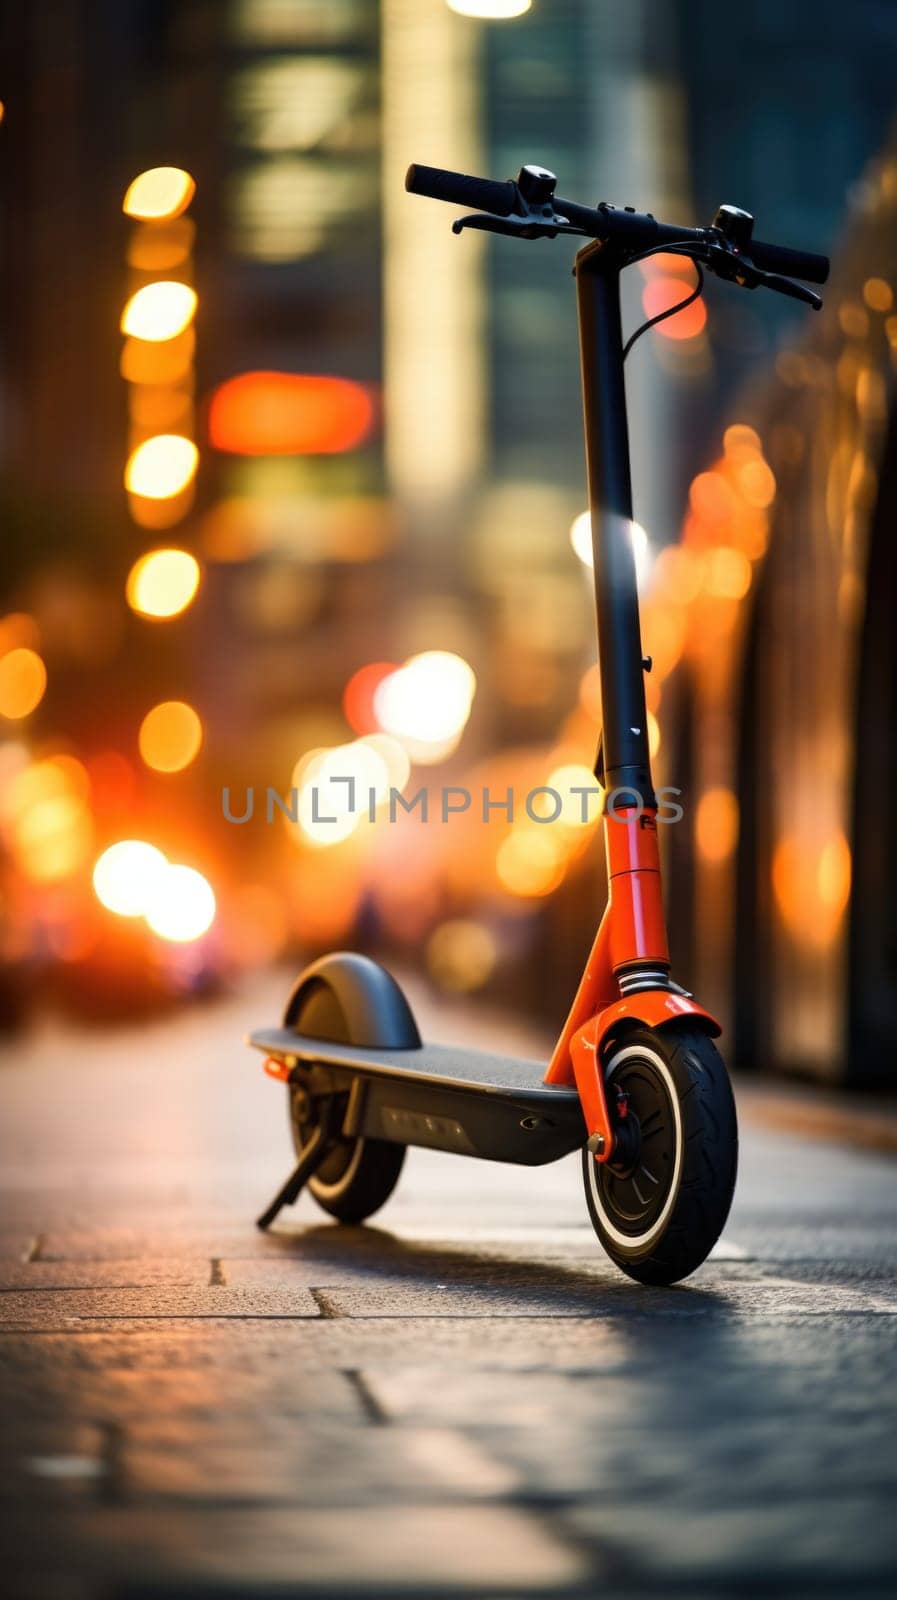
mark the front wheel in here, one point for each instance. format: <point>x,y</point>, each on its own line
<point>660,1209</point>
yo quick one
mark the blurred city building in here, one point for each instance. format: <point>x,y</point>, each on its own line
<point>791,730</point>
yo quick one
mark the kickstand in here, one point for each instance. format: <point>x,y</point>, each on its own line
<point>310,1159</point>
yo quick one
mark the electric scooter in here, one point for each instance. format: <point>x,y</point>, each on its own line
<point>635,1081</point>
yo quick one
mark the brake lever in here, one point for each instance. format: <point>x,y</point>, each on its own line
<point>795,291</point>
<point>525,227</point>
<point>738,268</point>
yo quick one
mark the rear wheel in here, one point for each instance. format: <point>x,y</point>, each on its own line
<point>661,1206</point>
<point>356,1176</point>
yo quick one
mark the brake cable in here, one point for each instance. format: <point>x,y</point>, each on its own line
<point>670,310</point>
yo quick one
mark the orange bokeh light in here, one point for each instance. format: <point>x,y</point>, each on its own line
<point>358,695</point>
<point>716,824</point>
<point>529,864</point>
<point>23,679</point>
<point>288,413</point>
<point>811,883</point>
<point>666,264</point>
<point>662,292</point>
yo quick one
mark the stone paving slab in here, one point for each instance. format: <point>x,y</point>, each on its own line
<point>142,1272</point>
<point>44,1309</point>
<point>115,1242</point>
<point>381,1257</point>
<point>767,1297</point>
<point>828,1241</point>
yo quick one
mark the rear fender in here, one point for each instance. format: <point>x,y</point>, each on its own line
<point>371,1001</point>
<point>374,1007</point>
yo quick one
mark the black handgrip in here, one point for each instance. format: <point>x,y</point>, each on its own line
<point>790,263</point>
<point>481,194</point>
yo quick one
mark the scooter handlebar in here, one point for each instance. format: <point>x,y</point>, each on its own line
<point>603,222</point>
<point>788,263</point>
<point>482,194</point>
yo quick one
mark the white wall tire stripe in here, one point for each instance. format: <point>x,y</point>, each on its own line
<point>332,1191</point>
<point>642,1241</point>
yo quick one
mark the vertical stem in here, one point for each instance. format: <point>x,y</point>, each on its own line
<point>626,756</point>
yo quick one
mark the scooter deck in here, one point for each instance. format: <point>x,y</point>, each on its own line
<point>442,1096</point>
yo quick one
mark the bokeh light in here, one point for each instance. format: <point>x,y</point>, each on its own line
<point>166,361</point>
<point>581,537</point>
<point>740,440</point>
<point>395,759</point>
<point>728,573</point>
<point>577,810</point>
<point>757,482</point>
<point>28,785</point>
<point>878,294</point>
<point>335,787</point>
<point>161,466</point>
<point>358,695</point>
<point>427,703</point>
<point>23,680</point>
<point>461,955</point>
<point>530,862</point>
<point>161,407</point>
<point>46,818</point>
<point>161,246</point>
<point>659,294</point>
<point>581,540</point>
<point>159,311</point>
<point>654,735</point>
<point>288,413</point>
<point>160,192</point>
<point>53,838</point>
<point>162,583</point>
<point>126,875</point>
<point>490,10</point>
<point>834,873</point>
<point>716,824</point>
<point>181,904</point>
<point>170,736</point>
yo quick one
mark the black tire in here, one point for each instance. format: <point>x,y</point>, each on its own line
<point>659,1215</point>
<point>357,1176</point>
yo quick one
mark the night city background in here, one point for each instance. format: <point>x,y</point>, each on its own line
<point>271,433</point>
<point>292,490</point>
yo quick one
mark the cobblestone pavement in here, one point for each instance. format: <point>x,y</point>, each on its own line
<point>466,1398</point>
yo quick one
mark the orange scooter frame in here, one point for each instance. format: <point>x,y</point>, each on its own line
<point>631,939</point>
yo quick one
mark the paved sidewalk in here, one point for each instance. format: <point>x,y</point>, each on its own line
<point>465,1398</point>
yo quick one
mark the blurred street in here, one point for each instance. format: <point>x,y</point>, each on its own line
<point>462,1398</point>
